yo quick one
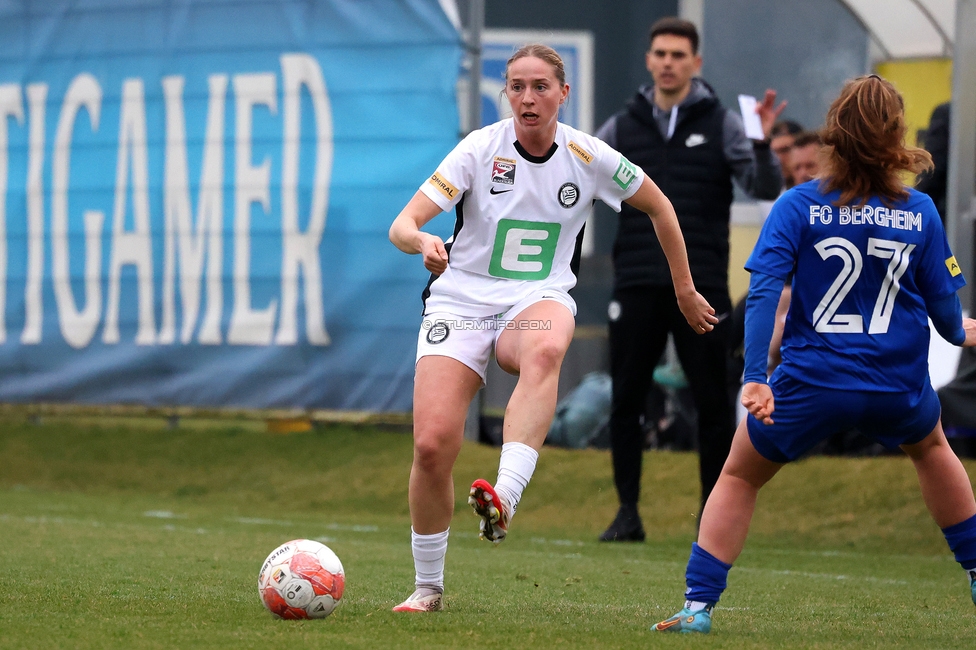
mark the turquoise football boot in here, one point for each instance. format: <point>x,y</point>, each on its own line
<point>688,622</point>
<point>972,584</point>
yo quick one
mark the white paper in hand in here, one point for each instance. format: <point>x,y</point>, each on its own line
<point>750,118</point>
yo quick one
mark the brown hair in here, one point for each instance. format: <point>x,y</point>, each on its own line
<point>864,143</point>
<point>786,127</point>
<point>543,52</point>
<point>674,27</point>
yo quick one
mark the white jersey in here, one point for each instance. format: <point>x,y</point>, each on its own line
<point>518,215</point>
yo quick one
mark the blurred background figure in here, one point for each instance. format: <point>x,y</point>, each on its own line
<point>936,142</point>
<point>781,142</point>
<point>804,162</point>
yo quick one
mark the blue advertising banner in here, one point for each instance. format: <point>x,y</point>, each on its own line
<point>195,198</point>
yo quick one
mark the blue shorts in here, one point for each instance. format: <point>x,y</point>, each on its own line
<point>805,415</point>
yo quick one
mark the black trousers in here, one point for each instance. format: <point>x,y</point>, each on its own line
<point>638,335</point>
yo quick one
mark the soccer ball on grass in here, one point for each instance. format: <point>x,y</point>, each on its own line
<point>301,579</point>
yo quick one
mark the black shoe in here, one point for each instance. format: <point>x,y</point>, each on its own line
<point>626,527</point>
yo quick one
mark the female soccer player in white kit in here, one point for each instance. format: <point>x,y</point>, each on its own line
<point>522,189</point>
<point>870,265</point>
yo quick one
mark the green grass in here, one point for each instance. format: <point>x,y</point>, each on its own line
<point>121,533</point>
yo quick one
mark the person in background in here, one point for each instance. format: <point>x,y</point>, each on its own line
<point>781,142</point>
<point>690,145</point>
<point>804,157</point>
<point>933,182</point>
<point>522,189</point>
<point>855,347</point>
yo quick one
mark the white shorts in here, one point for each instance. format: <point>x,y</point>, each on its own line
<point>471,340</point>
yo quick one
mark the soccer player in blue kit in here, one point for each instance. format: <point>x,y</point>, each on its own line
<point>870,265</point>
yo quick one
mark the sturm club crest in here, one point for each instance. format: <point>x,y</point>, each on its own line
<point>568,195</point>
<point>438,333</point>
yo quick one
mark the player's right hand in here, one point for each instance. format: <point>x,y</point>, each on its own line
<point>435,255</point>
<point>758,400</point>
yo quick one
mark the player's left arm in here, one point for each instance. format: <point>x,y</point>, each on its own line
<point>650,199</point>
<point>938,278</point>
<point>946,315</point>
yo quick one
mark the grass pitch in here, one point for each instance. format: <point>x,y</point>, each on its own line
<point>125,534</point>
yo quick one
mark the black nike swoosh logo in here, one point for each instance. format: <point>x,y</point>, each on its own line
<point>494,191</point>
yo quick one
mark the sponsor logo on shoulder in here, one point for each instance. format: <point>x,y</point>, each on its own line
<point>625,174</point>
<point>568,195</point>
<point>695,139</point>
<point>443,186</point>
<point>503,171</point>
<point>953,266</point>
<point>580,152</point>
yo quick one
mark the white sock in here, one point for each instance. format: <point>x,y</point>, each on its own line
<point>429,552</point>
<point>515,469</point>
<point>695,606</point>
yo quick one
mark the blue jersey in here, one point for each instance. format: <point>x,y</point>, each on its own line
<point>861,279</point>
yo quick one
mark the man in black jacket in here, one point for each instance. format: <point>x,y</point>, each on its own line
<point>934,181</point>
<point>692,147</point>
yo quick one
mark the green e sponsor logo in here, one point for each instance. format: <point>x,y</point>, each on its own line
<point>523,250</point>
<point>625,174</point>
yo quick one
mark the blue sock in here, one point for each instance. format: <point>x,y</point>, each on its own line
<point>706,576</point>
<point>962,542</point>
